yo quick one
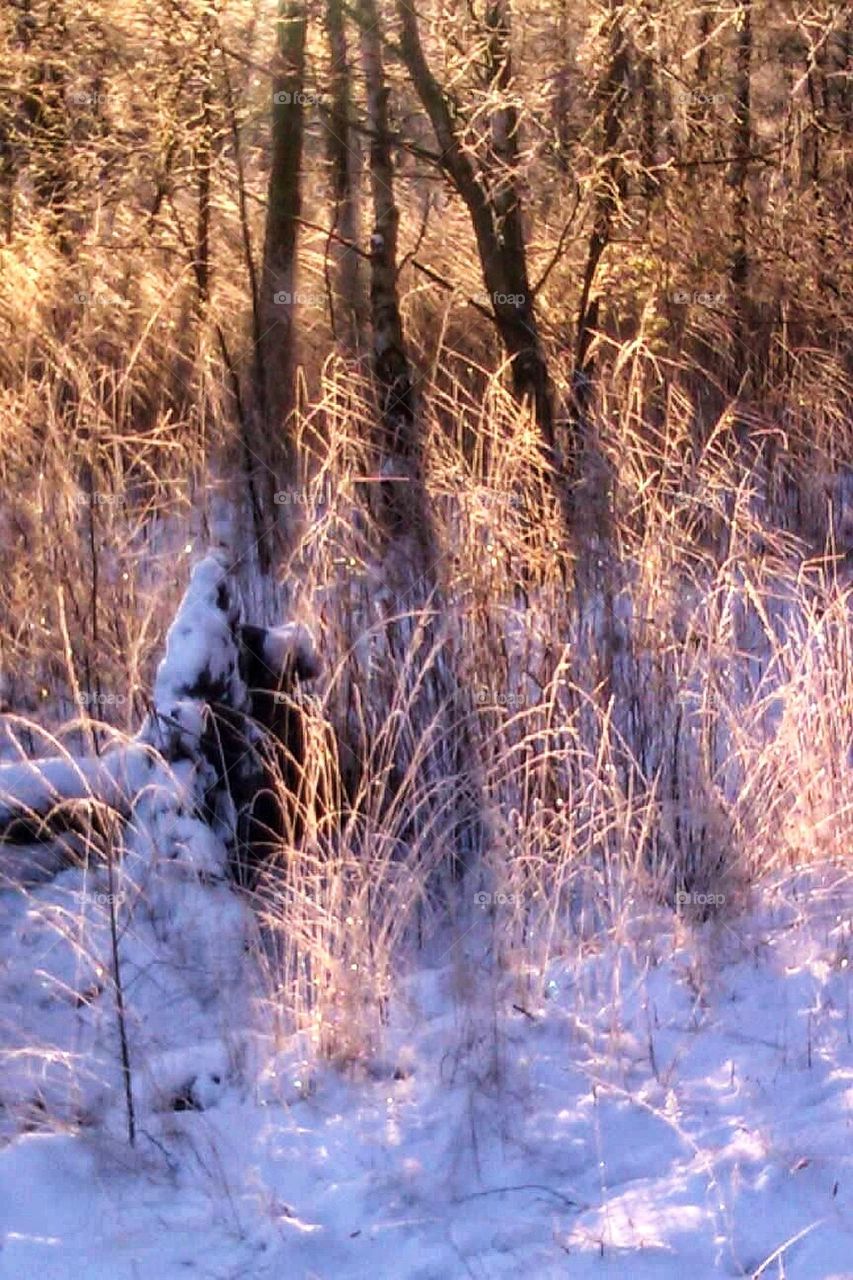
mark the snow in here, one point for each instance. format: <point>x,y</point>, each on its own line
<point>182,930</point>
<point>200,647</point>
<point>291,645</point>
<point>36,784</point>
<point>200,664</point>
<point>664,1101</point>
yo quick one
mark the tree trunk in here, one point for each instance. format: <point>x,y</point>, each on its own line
<point>416,651</point>
<point>562,96</point>
<point>202,159</point>
<point>497,227</point>
<point>739,269</point>
<point>402,506</point>
<point>648,139</point>
<point>341,144</point>
<point>7,176</point>
<point>278,279</point>
<point>699,133</point>
<point>396,437</point>
<point>613,93</point>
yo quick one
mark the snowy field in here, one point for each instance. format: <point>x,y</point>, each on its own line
<point>679,1103</point>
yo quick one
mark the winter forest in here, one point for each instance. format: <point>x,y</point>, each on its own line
<point>426,639</point>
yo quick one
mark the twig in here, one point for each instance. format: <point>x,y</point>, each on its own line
<point>522,1186</point>
<point>558,251</point>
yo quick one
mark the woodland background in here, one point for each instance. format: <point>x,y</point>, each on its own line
<point>507,345</point>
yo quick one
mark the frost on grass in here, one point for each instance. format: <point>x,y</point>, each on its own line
<point>656,1103</point>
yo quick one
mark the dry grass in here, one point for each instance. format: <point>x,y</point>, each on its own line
<point>661,706</point>
<point>658,704</point>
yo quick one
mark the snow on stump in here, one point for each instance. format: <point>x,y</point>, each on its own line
<point>170,955</point>
<point>184,960</point>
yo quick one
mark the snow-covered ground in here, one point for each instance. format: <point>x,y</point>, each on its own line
<point>678,1103</point>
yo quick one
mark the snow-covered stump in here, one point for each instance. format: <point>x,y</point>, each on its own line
<point>184,930</point>
<point>201,729</point>
<point>184,958</point>
<point>222,695</point>
<point>170,953</point>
